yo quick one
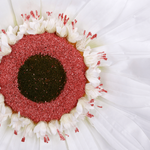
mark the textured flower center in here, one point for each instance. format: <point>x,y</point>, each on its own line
<point>41,78</point>
<point>21,62</point>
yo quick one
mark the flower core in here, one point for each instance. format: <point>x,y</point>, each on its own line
<point>41,78</point>
<point>58,38</point>
<point>47,45</point>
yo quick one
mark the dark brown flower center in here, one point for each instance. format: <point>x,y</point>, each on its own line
<point>41,78</point>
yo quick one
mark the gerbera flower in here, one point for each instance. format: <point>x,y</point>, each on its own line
<point>120,119</point>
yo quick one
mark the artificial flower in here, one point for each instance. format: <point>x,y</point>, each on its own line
<point>120,119</point>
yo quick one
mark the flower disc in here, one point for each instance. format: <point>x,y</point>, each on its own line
<point>47,45</point>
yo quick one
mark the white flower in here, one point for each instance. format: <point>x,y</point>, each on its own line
<point>120,119</point>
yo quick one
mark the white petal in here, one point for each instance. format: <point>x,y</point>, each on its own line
<point>75,7</point>
<point>41,129</point>
<point>138,115</point>
<point>101,142</point>
<point>31,143</point>
<point>91,91</point>
<point>92,75</point>
<point>125,50</point>
<point>81,140</point>
<point>97,14</point>
<point>55,6</point>
<point>6,16</point>
<point>137,69</point>
<point>124,91</point>
<point>134,26</point>
<point>24,7</point>
<point>3,128</point>
<point>7,135</point>
<point>54,144</point>
<point>1,98</point>
<point>120,131</point>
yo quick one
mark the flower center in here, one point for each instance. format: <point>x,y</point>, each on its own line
<point>41,78</point>
<point>42,47</point>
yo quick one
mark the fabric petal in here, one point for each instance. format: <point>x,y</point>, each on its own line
<point>24,7</point>
<point>31,143</point>
<point>3,128</point>
<point>120,131</point>
<point>132,22</point>
<point>139,115</point>
<point>124,91</point>
<point>101,142</point>
<point>75,7</point>
<point>137,69</point>
<point>97,12</point>
<point>54,144</point>
<point>81,140</point>
<point>6,138</point>
<point>125,50</point>
<point>55,6</point>
<point>6,16</point>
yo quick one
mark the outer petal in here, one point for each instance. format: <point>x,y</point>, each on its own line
<point>6,16</point>
<point>101,142</point>
<point>6,137</point>
<point>97,14</point>
<point>54,144</point>
<point>138,115</point>
<point>75,7</point>
<point>55,6</point>
<point>124,91</point>
<point>120,131</point>
<point>137,69</point>
<point>24,7</point>
<point>81,140</point>
<point>134,26</point>
<point>31,143</point>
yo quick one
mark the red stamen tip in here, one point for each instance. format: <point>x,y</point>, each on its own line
<point>36,13</point>
<point>62,16</point>
<point>27,17</point>
<point>75,21</point>
<point>94,36</point>
<point>67,135</point>
<point>15,132</point>
<point>89,34</point>
<point>98,63</point>
<point>59,16</point>
<point>22,15</point>
<point>100,106</point>
<point>84,32</point>
<point>91,101</point>
<point>46,139</point>
<point>89,115</point>
<point>72,25</point>
<point>60,135</point>
<point>49,13</point>
<point>76,130</point>
<point>32,14</point>
<point>104,91</point>
<point>3,31</point>
<point>23,139</point>
<point>65,19</point>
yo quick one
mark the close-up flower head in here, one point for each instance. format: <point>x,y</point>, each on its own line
<point>75,75</point>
